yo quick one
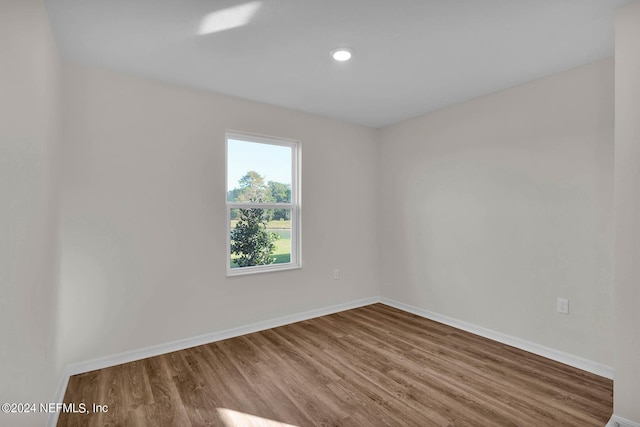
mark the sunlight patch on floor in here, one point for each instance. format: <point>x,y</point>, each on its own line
<point>232,418</point>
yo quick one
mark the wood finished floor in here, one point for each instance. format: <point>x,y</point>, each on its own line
<point>371,366</point>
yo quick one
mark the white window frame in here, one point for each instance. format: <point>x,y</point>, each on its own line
<point>295,206</point>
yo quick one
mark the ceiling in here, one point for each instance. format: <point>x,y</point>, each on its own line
<point>411,56</point>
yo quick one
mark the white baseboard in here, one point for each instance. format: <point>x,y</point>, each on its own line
<point>143,353</point>
<point>52,419</point>
<point>540,350</point>
<point>617,421</point>
<point>156,350</point>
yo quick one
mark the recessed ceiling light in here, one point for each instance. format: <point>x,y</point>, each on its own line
<point>342,54</point>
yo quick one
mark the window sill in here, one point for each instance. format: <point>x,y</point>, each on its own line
<point>244,271</point>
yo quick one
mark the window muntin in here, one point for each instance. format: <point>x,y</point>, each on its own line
<point>263,204</point>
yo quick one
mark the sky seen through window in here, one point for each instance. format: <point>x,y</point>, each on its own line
<point>273,162</point>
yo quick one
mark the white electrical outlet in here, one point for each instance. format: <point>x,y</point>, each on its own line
<point>562,306</point>
<point>336,274</point>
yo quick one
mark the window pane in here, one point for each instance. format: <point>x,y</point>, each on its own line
<point>259,173</point>
<point>260,237</point>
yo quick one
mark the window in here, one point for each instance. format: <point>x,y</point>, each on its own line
<point>263,204</point>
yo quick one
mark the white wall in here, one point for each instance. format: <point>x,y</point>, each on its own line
<point>29,122</point>
<point>143,214</point>
<point>627,251</point>
<point>491,209</point>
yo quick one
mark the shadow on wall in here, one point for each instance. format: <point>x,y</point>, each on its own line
<point>98,287</point>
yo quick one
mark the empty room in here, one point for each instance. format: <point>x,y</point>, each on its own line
<point>319,213</point>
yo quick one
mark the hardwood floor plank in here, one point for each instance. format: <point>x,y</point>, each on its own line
<point>167,407</point>
<point>371,366</point>
<point>136,383</point>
